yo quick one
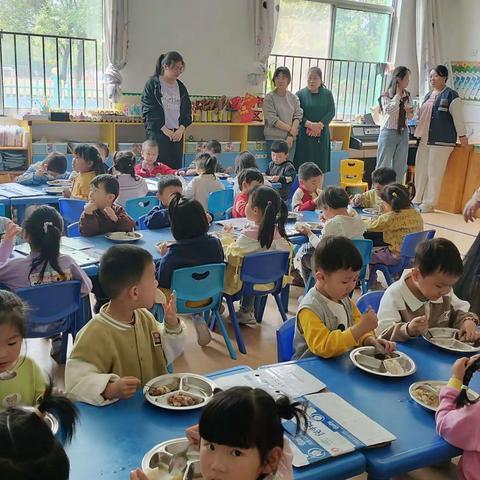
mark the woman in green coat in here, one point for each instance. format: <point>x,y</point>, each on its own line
<point>313,141</point>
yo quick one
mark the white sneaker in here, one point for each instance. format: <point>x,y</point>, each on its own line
<point>204,337</point>
<point>246,318</point>
<point>424,208</point>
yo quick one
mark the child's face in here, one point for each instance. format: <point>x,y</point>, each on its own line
<point>337,285</point>
<point>100,197</point>
<point>248,187</point>
<point>254,214</point>
<point>81,165</point>
<point>150,155</point>
<point>50,173</point>
<point>144,291</point>
<point>279,158</point>
<point>166,196</point>
<point>221,462</point>
<point>378,187</point>
<point>10,346</point>
<point>435,285</point>
<point>313,184</point>
<point>327,212</point>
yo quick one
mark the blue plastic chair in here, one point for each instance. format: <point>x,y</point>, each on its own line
<point>292,190</point>
<point>53,307</point>
<point>204,282</point>
<point>139,206</point>
<point>285,336</point>
<point>259,269</point>
<point>370,299</point>
<point>228,213</point>
<point>141,225</point>
<point>219,202</point>
<point>407,254</point>
<point>70,209</point>
<point>73,230</point>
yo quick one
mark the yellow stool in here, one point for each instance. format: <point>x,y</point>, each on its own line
<point>351,174</point>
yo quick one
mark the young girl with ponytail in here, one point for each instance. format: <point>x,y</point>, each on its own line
<point>458,417</point>
<point>131,185</point>
<point>240,430</point>
<point>266,231</point>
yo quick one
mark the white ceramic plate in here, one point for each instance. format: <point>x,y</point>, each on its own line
<point>409,367</point>
<point>314,226</point>
<point>437,385</point>
<point>54,190</point>
<point>445,338</point>
<point>165,451</point>
<point>124,236</point>
<point>370,211</point>
<point>189,384</point>
<point>59,183</point>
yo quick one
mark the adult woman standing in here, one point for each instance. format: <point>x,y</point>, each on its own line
<point>282,112</point>
<point>318,105</point>
<point>396,106</point>
<point>440,121</point>
<point>166,108</point>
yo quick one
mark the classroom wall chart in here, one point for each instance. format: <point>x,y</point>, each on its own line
<point>466,79</point>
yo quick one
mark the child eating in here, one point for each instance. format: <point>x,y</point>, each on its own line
<point>423,296</point>
<point>101,214</point>
<point>380,178</point>
<point>52,168</point>
<point>328,323</point>
<point>120,350</point>
<point>214,148</point>
<point>150,166</point>
<point>310,183</point>
<point>157,217</point>
<point>248,179</point>
<point>280,168</point>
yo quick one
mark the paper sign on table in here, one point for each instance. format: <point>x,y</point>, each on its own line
<point>290,380</point>
<point>82,257</point>
<point>77,243</point>
<point>334,428</point>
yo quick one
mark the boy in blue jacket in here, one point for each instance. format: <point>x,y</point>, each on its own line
<point>53,167</point>
<point>157,217</point>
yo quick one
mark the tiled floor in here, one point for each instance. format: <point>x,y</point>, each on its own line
<point>260,340</point>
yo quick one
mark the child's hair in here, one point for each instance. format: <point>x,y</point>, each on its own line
<point>279,146</point>
<point>333,197</point>
<point>214,146</point>
<point>56,162</point>
<point>249,175</point>
<point>91,154</point>
<point>168,59</point>
<point>397,196</point>
<point>187,218</point>
<point>28,448</point>
<point>337,253</point>
<point>12,311</point>
<point>109,182</point>
<point>438,254</point>
<point>102,146</point>
<point>206,162</point>
<point>124,162</point>
<point>384,176</point>
<point>308,170</point>
<point>246,417</point>
<point>275,213</point>
<point>462,398</point>
<point>122,266</point>
<point>168,181</point>
<point>245,160</point>
<point>44,227</point>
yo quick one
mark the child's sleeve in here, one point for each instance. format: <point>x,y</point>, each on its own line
<point>165,169</point>
<point>297,200</point>
<point>378,224</point>
<point>458,426</point>
<point>124,223</point>
<point>320,340</point>
<point>390,323</point>
<point>157,217</point>
<point>288,176</point>
<point>139,171</point>
<point>173,339</point>
<point>314,240</point>
<point>189,191</point>
<point>79,274</point>
<point>6,249</point>
<point>88,225</point>
<point>29,177</point>
<point>240,206</point>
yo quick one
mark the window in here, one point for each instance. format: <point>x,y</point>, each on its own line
<point>51,54</point>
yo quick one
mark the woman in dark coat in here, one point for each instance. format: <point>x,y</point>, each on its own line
<point>166,108</point>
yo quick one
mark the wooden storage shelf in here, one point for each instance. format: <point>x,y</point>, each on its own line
<point>13,148</point>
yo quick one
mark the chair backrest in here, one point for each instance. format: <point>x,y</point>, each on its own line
<point>219,202</point>
<point>291,192</point>
<point>370,299</point>
<point>285,336</point>
<point>411,241</point>
<point>50,305</point>
<point>351,170</point>
<point>364,246</point>
<point>264,268</point>
<point>71,209</point>
<point>193,284</point>
<point>73,230</point>
<point>139,206</point>
<point>228,213</point>
<point>141,225</point>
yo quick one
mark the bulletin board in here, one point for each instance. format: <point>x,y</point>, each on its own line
<point>466,79</point>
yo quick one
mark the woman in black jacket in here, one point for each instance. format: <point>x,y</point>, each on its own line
<point>166,108</point>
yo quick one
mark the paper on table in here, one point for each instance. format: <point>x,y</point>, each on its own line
<point>25,249</point>
<point>290,380</point>
<point>334,428</point>
<point>77,243</point>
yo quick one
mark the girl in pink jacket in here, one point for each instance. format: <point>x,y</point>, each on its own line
<point>458,417</point>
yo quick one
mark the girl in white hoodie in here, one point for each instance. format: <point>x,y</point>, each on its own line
<point>131,185</point>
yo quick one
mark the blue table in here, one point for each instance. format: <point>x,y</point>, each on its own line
<point>110,441</point>
<point>388,402</point>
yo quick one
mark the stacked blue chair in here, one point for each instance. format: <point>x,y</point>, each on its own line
<point>140,206</point>
<point>370,300</point>
<point>220,202</point>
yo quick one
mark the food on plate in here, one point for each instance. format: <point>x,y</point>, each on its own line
<point>123,235</point>
<point>182,400</point>
<point>426,395</point>
<point>158,390</point>
<point>393,366</point>
<point>162,474</point>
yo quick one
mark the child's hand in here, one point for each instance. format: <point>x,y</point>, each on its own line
<point>369,320</point>
<point>181,173</point>
<point>193,436</point>
<point>138,475</point>
<point>303,229</point>
<point>162,247</point>
<point>209,217</point>
<point>275,178</point>
<point>11,231</point>
<point>41,172</point>
<point>417,326</point>
<point>89,208</point>
<point>459,368</point>
<point>170,310</point>
<point>122,389</point>
<point>229,170</point>
<point>389,347</point>
<point>470,209</point>
<point>67,193</point>
<point>227,228</point>
<point>468,331</point>
<point>109,212</point>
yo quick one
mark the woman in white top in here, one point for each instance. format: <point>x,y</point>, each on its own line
<point>339,221</point>
<point>396,106</point>
<point>131,185</point>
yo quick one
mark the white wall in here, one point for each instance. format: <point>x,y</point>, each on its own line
<point>215,38</point>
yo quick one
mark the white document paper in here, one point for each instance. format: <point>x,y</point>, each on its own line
<point>290,380</point>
